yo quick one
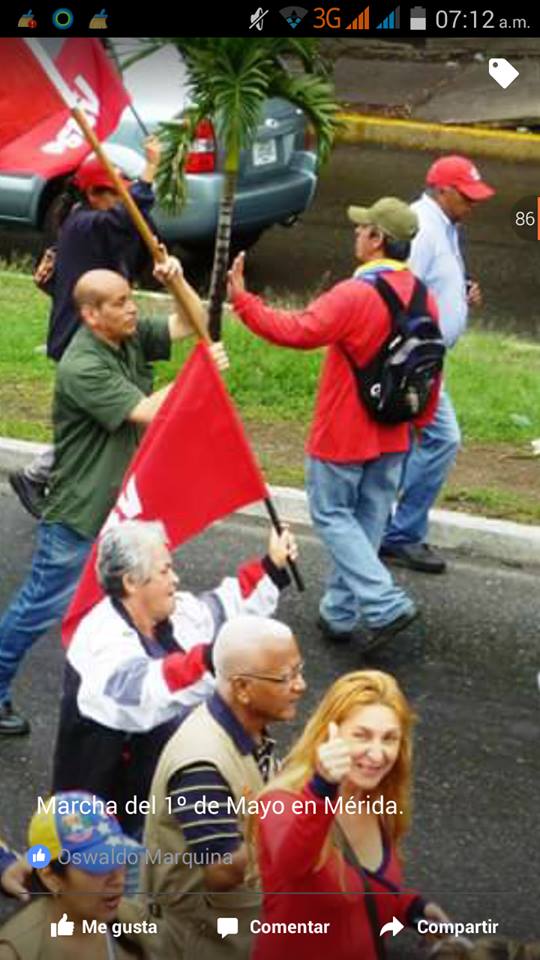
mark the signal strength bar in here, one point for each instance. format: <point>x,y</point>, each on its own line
<point>361,22</point>
<point>392,21</point>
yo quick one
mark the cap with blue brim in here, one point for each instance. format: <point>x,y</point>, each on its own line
<point>76,829</point>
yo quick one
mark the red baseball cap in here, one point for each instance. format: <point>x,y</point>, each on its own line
<point>460,173</point>
<point>92,173</point>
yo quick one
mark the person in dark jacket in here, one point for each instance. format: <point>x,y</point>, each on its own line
<point>95,232</point>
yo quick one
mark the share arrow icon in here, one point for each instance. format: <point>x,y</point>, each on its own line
<point>394,928</point>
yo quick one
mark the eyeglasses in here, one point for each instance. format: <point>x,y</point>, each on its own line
<point>286,679</point>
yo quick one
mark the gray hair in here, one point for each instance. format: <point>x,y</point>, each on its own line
<point>127,549</point>
<point>242,639</point>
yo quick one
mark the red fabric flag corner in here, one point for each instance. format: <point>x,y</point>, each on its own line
<point>38,135</point>
<point>193,467</point>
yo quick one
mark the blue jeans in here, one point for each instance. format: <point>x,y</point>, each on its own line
<point>57,564</point>
<point>349,505</point>
<point>424,472</point>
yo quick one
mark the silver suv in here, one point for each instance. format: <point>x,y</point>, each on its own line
<point>277,178</point>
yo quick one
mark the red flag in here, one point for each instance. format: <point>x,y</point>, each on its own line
<point>193,466</point>
<point>37,132</point>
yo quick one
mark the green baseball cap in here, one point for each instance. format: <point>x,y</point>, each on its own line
<point>391,215</point>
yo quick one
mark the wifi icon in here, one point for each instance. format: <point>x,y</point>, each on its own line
<point>293,15</point>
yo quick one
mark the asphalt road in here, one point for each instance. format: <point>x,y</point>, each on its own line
<point>470,673</point>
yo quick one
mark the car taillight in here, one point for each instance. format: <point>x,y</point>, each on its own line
<point>202,155</point>
<point>310,138</point>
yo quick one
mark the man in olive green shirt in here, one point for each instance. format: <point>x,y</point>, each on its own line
<point>98,386</point>
<point>102,402</point>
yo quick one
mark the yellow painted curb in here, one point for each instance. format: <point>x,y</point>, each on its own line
<point>503,144</point>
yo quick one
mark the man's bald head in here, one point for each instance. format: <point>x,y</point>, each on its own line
<point>258,670</point>
<point>244,643</point>
<point>96,286</point>
<point>106,306</point>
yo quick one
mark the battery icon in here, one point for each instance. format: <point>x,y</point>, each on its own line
<point>418,18</point>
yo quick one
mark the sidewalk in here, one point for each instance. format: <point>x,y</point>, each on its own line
<point>500,540</point>
<point>432,104</point>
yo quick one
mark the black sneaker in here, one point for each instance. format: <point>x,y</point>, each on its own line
<point>31,494</point>
<point>376,636</point>
<point>415,556</point>
<point>11,723</point>
<point>337,636</point>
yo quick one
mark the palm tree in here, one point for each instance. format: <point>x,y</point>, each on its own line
<point>231,78</point>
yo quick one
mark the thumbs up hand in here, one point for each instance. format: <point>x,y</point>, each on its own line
<point>333,756</point>
<point>65,926</point>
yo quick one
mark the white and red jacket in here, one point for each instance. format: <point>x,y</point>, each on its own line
<point>125,694</point>
<point>128,683</point>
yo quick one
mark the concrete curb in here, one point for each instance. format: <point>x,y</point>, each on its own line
<point>500,540</point>
<point>418,135</point>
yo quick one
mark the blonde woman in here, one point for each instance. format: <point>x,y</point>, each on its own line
<point>331,824</point>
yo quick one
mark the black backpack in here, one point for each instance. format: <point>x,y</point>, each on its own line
<point>395,386</point>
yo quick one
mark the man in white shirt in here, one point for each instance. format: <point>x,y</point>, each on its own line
<point>453,187</point>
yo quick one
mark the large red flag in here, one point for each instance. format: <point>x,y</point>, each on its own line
<point>194,466</point>
<point>37,132</point>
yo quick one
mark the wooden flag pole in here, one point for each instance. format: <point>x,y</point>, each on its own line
<point>177,285</point>
<point>180,290</point>
<point>187,300</point>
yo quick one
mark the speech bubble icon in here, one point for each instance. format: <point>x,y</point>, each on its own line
<point>502,71</point>
<point>227,926</point>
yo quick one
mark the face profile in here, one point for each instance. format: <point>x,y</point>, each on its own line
<point>156,593</point>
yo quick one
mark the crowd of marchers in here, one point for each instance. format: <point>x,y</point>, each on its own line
<point>172,698</point>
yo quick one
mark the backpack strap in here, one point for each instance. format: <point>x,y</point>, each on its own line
<point>416,306</point>
<point>418,303</point>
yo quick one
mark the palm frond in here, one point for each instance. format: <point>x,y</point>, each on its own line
<point>176,138</point>
<point>303,49</point>
<point>230,79</point>
<point>315,96</point>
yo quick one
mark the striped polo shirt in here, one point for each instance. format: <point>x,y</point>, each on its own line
<point>215,832</point>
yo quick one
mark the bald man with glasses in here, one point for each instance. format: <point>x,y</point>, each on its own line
<point>220,758</point>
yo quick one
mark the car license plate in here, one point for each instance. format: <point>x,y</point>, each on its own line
<point>264,151</point>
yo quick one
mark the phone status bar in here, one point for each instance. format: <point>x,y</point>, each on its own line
<point>374,20</point>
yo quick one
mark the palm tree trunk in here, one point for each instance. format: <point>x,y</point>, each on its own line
<point>218,283</point>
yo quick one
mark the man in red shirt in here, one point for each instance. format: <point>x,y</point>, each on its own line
<point>353,462</point>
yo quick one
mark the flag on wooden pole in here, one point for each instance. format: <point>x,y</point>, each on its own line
<point>193,467</point>
<point>38,133</point>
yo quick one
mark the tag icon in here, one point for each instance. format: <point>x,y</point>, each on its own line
<point>502,71</point>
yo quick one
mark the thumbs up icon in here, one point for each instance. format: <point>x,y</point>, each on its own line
<point>38,857</point>
<point>64,927</point>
